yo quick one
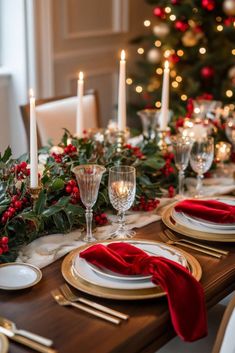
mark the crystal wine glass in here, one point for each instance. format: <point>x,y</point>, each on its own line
<point>181,148</point>
<point>89,177</point>
<point>122,186</point>
<point>201,157</point>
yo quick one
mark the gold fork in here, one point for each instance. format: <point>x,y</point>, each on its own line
<point>212,248</point>
<point>194,247</point>
<point>61,300</point>
<point>72,297</point>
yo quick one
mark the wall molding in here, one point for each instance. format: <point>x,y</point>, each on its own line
<point>74,54</point>
<point>120,21</point>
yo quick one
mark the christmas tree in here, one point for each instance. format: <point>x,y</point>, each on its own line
<point>198,39</point>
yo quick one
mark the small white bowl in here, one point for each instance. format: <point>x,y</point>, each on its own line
<point>16,275</point>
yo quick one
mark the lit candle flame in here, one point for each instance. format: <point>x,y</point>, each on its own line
<point>31,93</point>
<point>123,55</point>
<point>166,65</point>
<point>81,75</point>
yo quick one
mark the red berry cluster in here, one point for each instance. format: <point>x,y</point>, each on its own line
<point>135,151</point>
<point>21,170</point>
<point>146,204</point>
<point>169,156</point>
<point>167,169</point>
<point>3,245</point>
<point>70,149</point>
<point>100,219</point>
<point>57,157</point>
<point>179,122</point>
<point>15,206</point>
<point>72,189</point>
<point>171,191</point>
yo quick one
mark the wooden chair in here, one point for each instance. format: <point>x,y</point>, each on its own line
<point>225,340</point>
<point>54,114</point>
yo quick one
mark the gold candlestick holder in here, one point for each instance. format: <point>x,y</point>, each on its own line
<point>120,140</point>
<point>35,191</point>
<point>161,140</point>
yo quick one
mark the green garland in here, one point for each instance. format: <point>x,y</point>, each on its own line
<point>58,208</point>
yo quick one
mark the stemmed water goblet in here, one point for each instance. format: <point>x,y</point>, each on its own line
<point>181,148</point>
<point>88,178</point>
<point>122,187</point>
<point>201,158</point>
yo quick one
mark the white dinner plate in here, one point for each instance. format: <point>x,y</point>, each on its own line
<point>214,225</point>
<point>110,274</point>
<point>188,222</point>
<point>86,272</point>
<point>3,344</point>
<point>16,275</point>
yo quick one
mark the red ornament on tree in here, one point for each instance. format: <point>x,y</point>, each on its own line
<point>209,5</point>
<point>175,2</point>
<point>159,12</point>
<point>174,58</point>
<point>207,72</point>
<point>181,26</point>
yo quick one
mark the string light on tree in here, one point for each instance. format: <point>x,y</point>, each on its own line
<point>219,28</point>
<point>139,89</point>
<point>178,78</point>
<point>129,81</point>
<point>184,97</point>
<point>158,104</point>
<point>167,9</point>
<point>172,18</point>
<point>147,23</point>
<point>140,51</point>
<point>158,43</point>
<point>159,71</point>
<point>202,50</point>
<point>180,52</point>
<point>233,51</point>
<point>229,93</point>
<point>175,84</point>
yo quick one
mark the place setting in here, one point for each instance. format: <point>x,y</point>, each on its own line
<point>117,178</point>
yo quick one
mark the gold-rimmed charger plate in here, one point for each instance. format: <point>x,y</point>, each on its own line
<point>4,344</point>
<point>179,228</point>
<point>119,294</point>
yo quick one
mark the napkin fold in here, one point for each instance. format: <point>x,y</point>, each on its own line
<point>210,210</point>
<point>185,295</point>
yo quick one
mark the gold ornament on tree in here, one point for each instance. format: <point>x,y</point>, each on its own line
<point>229,7</point>
<point>190,39</point>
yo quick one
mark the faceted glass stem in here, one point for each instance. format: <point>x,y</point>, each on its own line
<point>199,185</point>
<point>181,182</point>
<point>89,216</point>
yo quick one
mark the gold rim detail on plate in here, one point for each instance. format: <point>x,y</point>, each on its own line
<point>35,268</point>
<point>4,344</point>
<point>122,294</point>
<point>191,233</point>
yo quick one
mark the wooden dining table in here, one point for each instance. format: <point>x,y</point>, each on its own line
<point>73,331</point>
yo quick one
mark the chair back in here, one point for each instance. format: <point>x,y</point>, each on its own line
<point>54,114</point>
<point>225,341</point>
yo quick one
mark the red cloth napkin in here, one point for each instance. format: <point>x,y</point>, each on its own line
<point>185,295</point>
<point>210,210</point>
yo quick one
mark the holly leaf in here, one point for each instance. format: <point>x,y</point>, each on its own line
<point>40,203</point>
<point>7,155</point>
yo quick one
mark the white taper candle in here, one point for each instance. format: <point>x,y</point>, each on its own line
<point>122,93</point>
<point>164,116</point>
<point>33,143</point>
<point>80,117</point>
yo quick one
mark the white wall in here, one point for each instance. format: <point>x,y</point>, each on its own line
<point>13,58</point>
